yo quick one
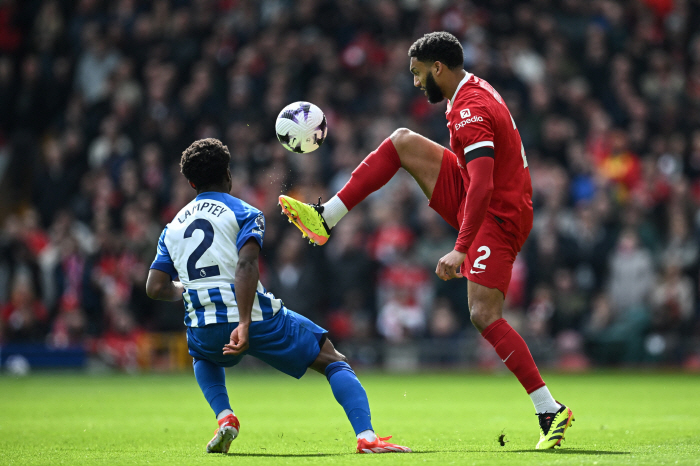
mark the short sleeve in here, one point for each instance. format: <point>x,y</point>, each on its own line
<point>473,130</point>
<point>163,261</point>
<point>251,226</point>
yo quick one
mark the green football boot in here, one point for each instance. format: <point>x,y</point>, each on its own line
<point>553,426</point>
<point>307,218</point>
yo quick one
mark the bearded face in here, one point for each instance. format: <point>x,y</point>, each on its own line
<point>433,90</point>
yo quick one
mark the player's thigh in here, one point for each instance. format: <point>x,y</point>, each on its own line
<point>420,157</point>
<point>448,196</point>
<point>289,342</point>
<point>208,343</point>
<point>328,355</point>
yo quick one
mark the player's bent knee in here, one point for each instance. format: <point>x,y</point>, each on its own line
<point>476,321</point>
<point>332,356</point>
<point>341,358</point>
<point>327,355</point>
<point>401,138</point>
<point>482,317</point>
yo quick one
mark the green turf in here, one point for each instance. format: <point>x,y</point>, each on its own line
<point>446,418</point>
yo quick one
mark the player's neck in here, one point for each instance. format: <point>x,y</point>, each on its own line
<point>453,80</point>
<point>214,189</point>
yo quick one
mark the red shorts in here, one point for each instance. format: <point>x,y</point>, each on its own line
<point>490,258</point>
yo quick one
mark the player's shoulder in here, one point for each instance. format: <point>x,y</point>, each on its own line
<point>476,92</point>
<point>241,207</point>
<point>468,98</point>
<point>240,210</point>
<point>164,233</point>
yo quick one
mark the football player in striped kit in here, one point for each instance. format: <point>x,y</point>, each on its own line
<point>207,256</point>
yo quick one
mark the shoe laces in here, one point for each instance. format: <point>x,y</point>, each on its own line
<point>317,206</point>
<point>319,210</point>
<point>546,421</point>
<point>230,421</point>
<point>378,441</point>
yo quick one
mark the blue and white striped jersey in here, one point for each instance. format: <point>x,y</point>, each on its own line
<point>200,246</point>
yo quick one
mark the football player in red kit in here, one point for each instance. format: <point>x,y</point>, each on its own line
<point>481,187</point>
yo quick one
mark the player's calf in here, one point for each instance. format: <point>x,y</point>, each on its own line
<point>351,395</point>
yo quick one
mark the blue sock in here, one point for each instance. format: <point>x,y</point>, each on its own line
<point>348,391</point>
<point>212,380</point>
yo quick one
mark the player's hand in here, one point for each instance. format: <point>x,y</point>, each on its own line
<point>448,266</point>
<point>239,341</point>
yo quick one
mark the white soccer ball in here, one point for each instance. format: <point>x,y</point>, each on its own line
<point>18,365</point>
<point>301,127</point>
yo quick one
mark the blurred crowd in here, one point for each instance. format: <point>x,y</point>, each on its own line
<point>99,99</point>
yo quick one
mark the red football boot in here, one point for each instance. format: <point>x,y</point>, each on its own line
<point>380,446</point>
<point>224,435</point>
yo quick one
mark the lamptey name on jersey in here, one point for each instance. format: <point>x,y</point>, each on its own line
<point>201,207</point>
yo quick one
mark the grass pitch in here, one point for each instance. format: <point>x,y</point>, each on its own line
<point>446,418</point>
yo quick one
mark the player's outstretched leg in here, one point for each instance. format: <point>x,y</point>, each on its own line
<point>212,380</point>
<point>486,308</point>
<point>351,395</point>
<point>420,156</point>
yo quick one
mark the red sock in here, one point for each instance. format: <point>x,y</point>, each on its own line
<point>373,173</point>
<point>513,350</point>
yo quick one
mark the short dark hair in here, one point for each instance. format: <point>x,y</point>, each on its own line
<point>204,163</point>
<point>438,46</point>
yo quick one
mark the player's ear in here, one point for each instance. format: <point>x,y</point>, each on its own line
<point>437,68</point>
<point>193,186</point>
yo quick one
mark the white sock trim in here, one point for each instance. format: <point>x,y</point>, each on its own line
<point>543,401</point>
<point>333,211</point>
<point>223,414</point>
<point>368,435</point>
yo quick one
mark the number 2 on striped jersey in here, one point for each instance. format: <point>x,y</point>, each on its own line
<point>193,272</point>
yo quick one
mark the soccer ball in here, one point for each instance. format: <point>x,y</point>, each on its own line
<point>301,127</point>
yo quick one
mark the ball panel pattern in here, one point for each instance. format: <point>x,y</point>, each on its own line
<point>301,127</point>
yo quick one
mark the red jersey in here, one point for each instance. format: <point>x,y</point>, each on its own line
<point>477,118</point>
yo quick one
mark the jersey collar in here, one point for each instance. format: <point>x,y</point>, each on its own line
<point>459,86</point>
<point>210,195</point>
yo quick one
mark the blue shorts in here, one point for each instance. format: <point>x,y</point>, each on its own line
<point>289,342</point>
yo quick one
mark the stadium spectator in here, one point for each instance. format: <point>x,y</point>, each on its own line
<point>616,336</point>
<point>24,317</point>
<point>296,274</point>
<point>100,99</point>
<point>68,328</point>
<point>631,273</point>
